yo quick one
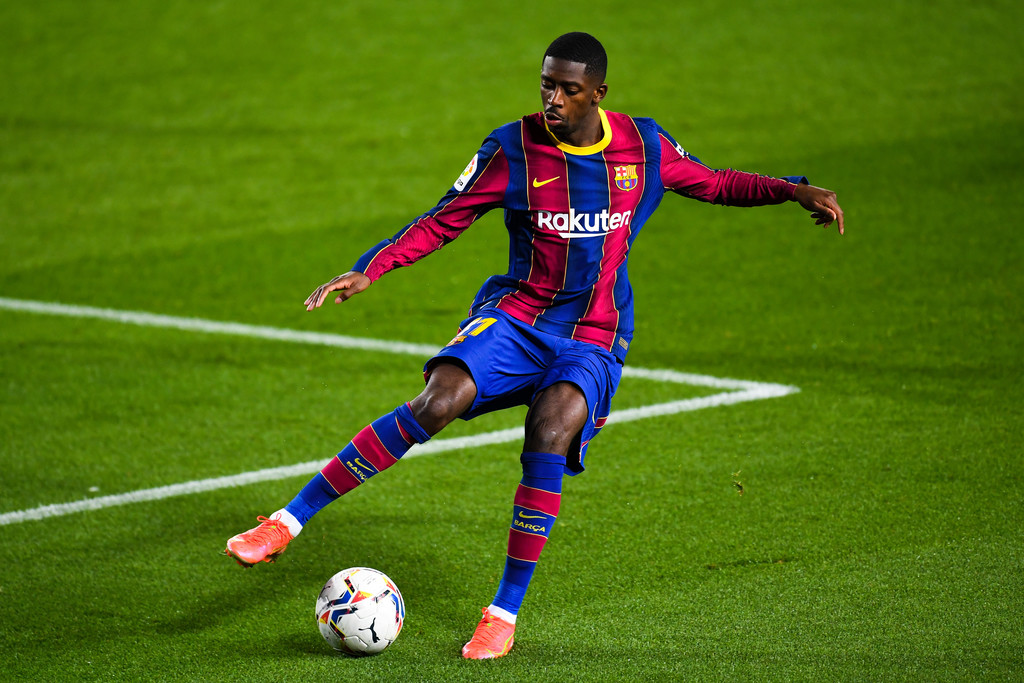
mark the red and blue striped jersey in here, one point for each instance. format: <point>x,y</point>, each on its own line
<point>572,214</point>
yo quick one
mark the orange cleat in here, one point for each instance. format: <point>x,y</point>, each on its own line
<point>260,544</point>
<point>493,638</point>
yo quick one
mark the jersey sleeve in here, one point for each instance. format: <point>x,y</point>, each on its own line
<point>480,188</point>
<point>686,175</point>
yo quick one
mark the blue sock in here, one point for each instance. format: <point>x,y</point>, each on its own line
<point>375,448</point>
<point>534,510</point>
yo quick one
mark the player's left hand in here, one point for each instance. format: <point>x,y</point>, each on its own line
<point>822,204</point>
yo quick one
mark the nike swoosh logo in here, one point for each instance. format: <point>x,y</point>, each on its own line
<point>524,516</point>
<point>542,183</point>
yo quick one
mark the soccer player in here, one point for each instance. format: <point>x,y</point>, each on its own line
<point>576,184</point>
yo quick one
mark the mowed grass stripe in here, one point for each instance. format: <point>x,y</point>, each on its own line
<point>146,319</point>
<point>738,391</point>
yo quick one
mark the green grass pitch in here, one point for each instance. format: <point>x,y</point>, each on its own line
<point>220,160</point>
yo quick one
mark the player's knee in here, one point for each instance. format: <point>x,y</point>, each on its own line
<point>546,437</point>
<point>552,432</point>
<point>554,420</point>
<point>434,411</point>
<point>447,396</point>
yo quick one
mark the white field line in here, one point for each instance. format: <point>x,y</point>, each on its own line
<point>738,391</point>
<point>214,327</point>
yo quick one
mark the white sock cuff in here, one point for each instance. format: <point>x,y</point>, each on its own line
<point>502,614</point>
<point>294,526</point>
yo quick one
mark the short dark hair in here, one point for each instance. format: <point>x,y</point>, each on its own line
<point>582,48</point>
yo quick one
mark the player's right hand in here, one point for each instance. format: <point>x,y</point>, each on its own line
<point>348,284</point>
<point>822,204</point>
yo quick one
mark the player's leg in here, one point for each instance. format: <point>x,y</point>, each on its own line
<point>555,420</point>
<point>449,392</point>
<point>571,403</point>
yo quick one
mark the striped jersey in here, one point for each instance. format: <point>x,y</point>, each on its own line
<point>572,214</point>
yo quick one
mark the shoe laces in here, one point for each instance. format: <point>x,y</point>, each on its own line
<point>268,530</point>
<point>485,634</point>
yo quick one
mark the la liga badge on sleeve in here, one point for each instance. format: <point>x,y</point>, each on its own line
<point>460,184</point>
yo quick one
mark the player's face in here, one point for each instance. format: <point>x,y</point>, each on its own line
<point>570,98</point>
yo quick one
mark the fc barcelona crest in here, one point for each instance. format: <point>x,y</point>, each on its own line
<point>626,177</point>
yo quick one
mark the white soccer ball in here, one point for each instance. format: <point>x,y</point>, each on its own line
<point>360,611</point>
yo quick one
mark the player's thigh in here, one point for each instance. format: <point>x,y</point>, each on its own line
<point>594,373</point>
<point>504,362</point>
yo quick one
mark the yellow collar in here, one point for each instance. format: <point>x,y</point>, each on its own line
<point>583,151</point>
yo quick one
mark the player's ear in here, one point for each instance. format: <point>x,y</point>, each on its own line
<point>599,93</point>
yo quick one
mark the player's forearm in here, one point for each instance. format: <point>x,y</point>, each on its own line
<point>456,211</point>
<point>423,236</point>
<point>688,176</point>
<point>739,188</point>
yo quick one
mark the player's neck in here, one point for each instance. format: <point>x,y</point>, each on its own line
<point>587,135</point>
<point>590,133</point>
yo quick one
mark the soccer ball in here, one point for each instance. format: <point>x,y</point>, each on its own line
<point>360,611</point>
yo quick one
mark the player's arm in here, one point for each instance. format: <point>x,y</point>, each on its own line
<point>480,188</point>
<point>686,175</point>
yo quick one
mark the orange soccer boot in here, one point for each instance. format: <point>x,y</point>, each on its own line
<point>493,638</point>
<point>259,544</point>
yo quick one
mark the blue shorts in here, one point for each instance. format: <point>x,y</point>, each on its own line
<point>511,362</point>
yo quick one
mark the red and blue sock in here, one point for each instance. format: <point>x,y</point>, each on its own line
<point>377,447</point>
<point>534,510</point>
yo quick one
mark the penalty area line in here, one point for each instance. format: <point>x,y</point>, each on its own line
<point>736,391</point>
